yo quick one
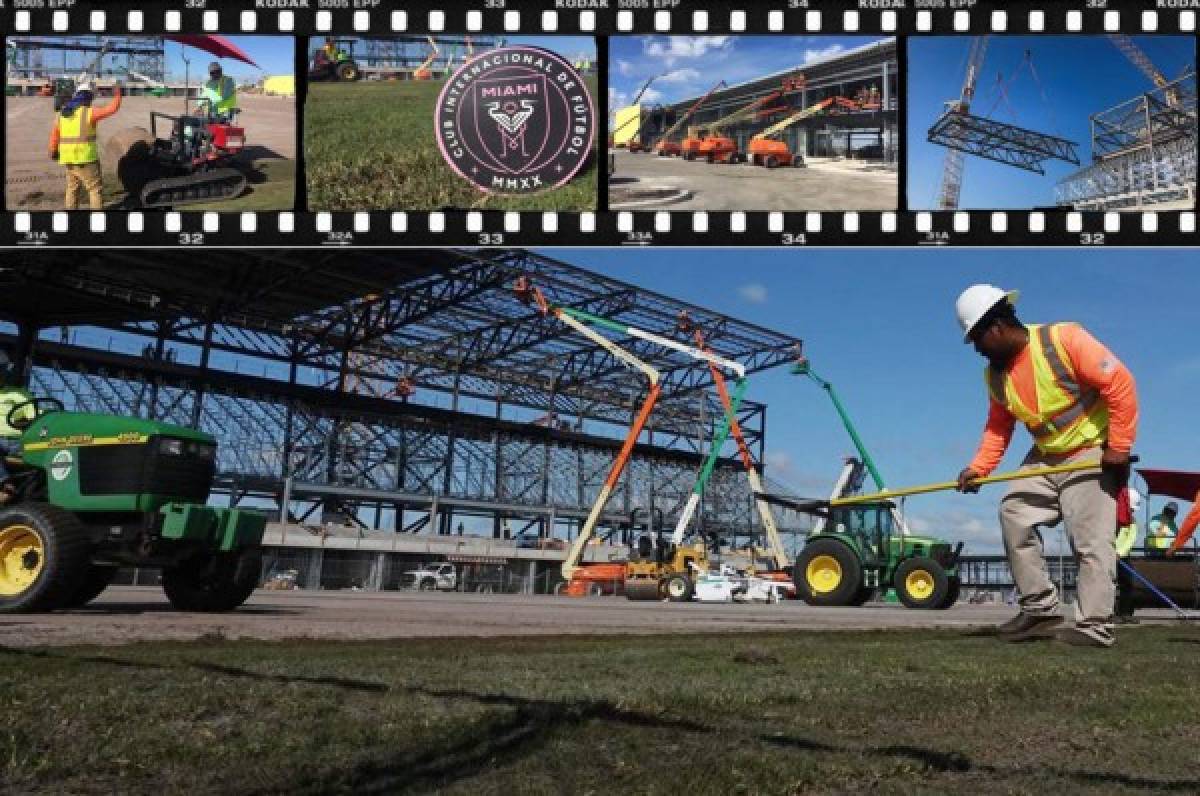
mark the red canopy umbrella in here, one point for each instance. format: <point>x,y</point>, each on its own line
<point>1172,483</point>
<point>216,45</point>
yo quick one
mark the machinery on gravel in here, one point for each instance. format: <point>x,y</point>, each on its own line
<point>196,152</point>
<point>88,493</point>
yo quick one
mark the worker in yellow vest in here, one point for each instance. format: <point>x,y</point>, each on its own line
<point>74,144</point>
<point>1079,403</point>
<point>220,91</point>
<point>1161,532</point>
<point>16,401</point>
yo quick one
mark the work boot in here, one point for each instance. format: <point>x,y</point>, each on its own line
<point>1029,627</point>
<point>1078,637</point>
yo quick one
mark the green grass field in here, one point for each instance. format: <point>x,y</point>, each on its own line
<point>894,712</point>
<point>370,146</point>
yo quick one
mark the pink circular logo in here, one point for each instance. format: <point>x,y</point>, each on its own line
<point>515,120</point>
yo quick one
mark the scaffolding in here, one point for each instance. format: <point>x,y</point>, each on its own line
<point>1143,153</point>
<point>510,418</point>
<point>41,58</point>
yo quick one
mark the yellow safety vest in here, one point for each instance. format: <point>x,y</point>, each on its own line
<point>1160,536</point>
<point>77,138</point>
<point>1070,416</point>
<point>9,398</point>
<point>223,94</point>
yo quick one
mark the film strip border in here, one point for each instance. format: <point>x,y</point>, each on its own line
<point>600,17</point>
<point>624,228</point>
<point>597,17</point>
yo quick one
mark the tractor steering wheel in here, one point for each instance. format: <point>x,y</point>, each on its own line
<point>14,421</point>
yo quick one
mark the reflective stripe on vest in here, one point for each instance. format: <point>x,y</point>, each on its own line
<point>1069,416</point>
<point>77,138</point>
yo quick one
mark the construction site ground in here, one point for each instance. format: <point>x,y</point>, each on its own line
<point>35,182</point>
<point>782,710</point>
<point>141,613</point>
<point>825,184</point>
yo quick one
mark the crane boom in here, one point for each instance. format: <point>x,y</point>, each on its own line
<point>634,101</point>
<point>952,167</point>
<point>780,126</point>
<point>688,113</point>
<point>1139,59</point>
<point>739,114</point>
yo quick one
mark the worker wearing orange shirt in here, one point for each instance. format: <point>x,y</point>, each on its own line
<point>73,143</point>
<point>1188,527</point>
<point>1079,404</point>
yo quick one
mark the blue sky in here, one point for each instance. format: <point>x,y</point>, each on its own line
<point>694,63</point>
<point>1077,76</point>
<point>274,54</point>
<point>880,326</point>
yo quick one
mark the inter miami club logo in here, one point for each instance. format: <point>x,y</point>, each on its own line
<point>516,120</point>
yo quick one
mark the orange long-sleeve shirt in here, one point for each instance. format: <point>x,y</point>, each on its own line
<point>98,115</point>
<point>1094,366</point>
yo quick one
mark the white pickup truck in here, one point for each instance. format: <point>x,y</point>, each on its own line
<point>435,577</point>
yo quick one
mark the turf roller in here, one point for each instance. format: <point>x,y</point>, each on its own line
<point>642,589</point>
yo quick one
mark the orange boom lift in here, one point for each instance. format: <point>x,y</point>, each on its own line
<point>665,146</point>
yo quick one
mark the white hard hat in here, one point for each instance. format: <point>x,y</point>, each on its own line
<point>1135,499</point>
<point>974,302</point>
<point>84,86</point>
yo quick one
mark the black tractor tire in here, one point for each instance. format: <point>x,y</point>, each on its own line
<point>94,582</point>
<point>427,584</point>
<point>921,583</point>
<point>770,161</point>
<point>678,588</point>
<point>63,561</point>
<point>347,72</point>
<point>952,593</point>
<point>213,584</point>
<point>825,589</point>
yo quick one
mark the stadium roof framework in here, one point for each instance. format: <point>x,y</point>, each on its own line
<point>1003,143</point>
<point>295,361</point>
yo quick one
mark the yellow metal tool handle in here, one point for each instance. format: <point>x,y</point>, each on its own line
<point>943,486</point>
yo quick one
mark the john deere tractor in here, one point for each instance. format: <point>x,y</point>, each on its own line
<point>88,493</point>
<point>857,551</point>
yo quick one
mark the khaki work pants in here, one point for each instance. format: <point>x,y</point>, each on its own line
<point>1086,502</point>
<point>84,177</point>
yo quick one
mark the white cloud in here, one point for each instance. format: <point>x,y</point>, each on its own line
<point>624,68</point>
<point>780,464</point>
<point>652,96</point>
<point>674,48</point>
<point>753,292</point>
<point>825,52</point>
<point>959,526</point>
<point>617,99</point>
<point>680,76</point>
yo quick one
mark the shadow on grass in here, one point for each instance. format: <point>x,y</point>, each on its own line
<point>958,763</point>
<point>487,746</point>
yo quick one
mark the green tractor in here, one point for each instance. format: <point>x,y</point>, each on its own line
<point>858,551</point>
<point>88,493</point>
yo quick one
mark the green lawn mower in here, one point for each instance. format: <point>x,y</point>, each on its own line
<point>88,493</point>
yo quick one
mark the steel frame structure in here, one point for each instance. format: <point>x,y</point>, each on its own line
<point>1003,143</point>
<point>1143,152</point>
<point>287,359</point>
<point>32,56</point>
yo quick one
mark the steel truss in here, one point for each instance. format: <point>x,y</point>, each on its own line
<point>1003,143</point>
<point>509,412</point>
<point>1143,150</point>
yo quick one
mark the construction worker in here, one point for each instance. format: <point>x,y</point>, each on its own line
<point>15,400</point>
<point>1188,527</point>
<point>1079,404</point>
<point>1162,530</point>
<point>220,91</point>
<point>73,143</point>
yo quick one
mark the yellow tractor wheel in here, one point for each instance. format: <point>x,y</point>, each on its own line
<point>828,572</point>
<point>921,583</point>
<point>44,553</point>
